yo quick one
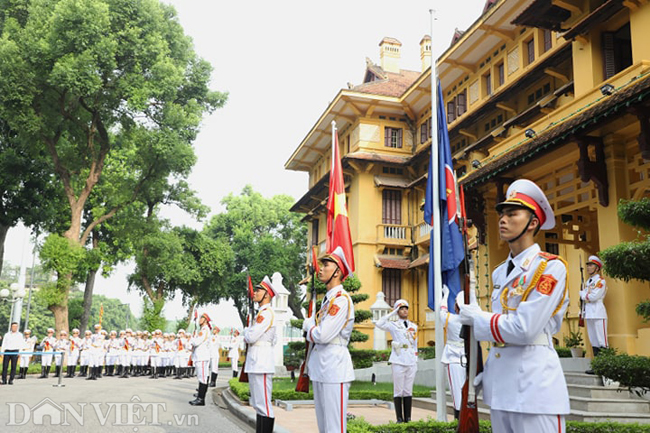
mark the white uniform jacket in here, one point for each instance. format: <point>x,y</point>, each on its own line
<point>233,352</point>
<point>48,344</point>
<point>75,345</point>
<point>455,347</point>
<point>28,345</point>
<point>329,360</point>
<point>201,344</point>
<point>593,294</point>
<point>214,346</point>
<point>261,339</point>
<point>528,305</point>
<point>405,342</point>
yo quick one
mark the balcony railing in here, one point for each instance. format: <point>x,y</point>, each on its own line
<point>393,234</point>
<point>422,232</point>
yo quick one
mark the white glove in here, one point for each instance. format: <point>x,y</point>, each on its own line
<point>468,311</point>
<point>308,323</point>
<point>445,296</point>
<point>478,383</point>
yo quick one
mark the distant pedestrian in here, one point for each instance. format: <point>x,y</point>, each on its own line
<point>11,344</point>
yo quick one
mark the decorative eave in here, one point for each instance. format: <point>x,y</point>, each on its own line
<point>624,101</point>
<point>601,14</point>
<point>543,14</point>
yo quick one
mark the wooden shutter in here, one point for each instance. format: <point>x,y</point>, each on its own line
<point>314,232</point>
<point>451,111</point>
<point>548,42</point>
<point>423,131</point>
<point>399,138</point>
<point>391,285</point>
<point>387,133</point>
<point>392,207</point>
<point>461,101</point>
<point>531,51</point>
<point>609,55</point>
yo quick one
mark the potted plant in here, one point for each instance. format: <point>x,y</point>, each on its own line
<point>574,342</point>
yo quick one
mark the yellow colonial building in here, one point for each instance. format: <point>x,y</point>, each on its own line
<point>555,91</point>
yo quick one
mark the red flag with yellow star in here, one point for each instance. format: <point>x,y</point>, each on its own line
<point>338,224</point>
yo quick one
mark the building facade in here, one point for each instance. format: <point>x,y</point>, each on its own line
<point>556,92</point>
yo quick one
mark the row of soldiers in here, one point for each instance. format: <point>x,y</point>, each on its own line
<point>125,354</point>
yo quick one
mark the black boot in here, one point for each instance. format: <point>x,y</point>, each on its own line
<point>407,408</point>
<point>234,373</point>
<point>267,424</point>
<point>398,409</point>
<point>213,380</point>
<point>57,371</point>
<point>93,373</point>
<point>187,372</point>
<point>47,370</point>
<point>456,414</point>
<point>179,372</point>
<point>200,399</point>
<point>23,373</point>
<point>154,373</point>
<point>42,376</point>
<point>258,424</point>
<point>82,370</point>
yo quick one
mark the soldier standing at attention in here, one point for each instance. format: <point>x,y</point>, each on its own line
<point>233,353</point>
<point>454,351</point>
<point>73,352</point>
<point>47,345</point>
<point>523,382</point>
<point>330,365</point>
<point>201,358</point>
<point>214,356</point>
<point>403,357</point>
<point>28,346</point>
<point>260,360</point>
<point>595,314</point>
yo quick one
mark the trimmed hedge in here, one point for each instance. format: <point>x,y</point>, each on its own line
<point>359,425</point>
<point>630,371</point>
<point>563,352</point>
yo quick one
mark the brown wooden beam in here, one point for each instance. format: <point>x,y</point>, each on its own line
<point>595,170</point>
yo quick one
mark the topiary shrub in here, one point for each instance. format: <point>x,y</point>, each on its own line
<point>563,352</point>
<point>362,358</point>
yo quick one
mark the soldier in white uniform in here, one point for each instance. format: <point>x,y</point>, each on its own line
<point>233,353</point>
<point>454,350</point>
<point>126,352</point>
<point>182,354</point>
<point>155,353</point>
<point>73,352</point>
<point>47,345</point>
<point>330,365</point>
<point>523,382</point>
<point>595,315</point>
<point>28,346</point>
<point>214,356</point>
<point>85,357</point>
<point>201,358</point>
<point>96,353</point>
<point>403,357</point>
<point>112,353</point>
<point>260,359</point>
<point>60,349</point>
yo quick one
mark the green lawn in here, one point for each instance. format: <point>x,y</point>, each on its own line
<point>284,389</point>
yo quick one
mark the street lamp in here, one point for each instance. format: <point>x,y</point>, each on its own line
<point>17,294</point>
<point>379,309</point>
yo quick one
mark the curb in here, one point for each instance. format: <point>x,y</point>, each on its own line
<point>235,406</point>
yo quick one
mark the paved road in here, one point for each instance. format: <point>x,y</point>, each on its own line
<point>131,405</point>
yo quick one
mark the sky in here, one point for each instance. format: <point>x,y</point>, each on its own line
<point>282,63</point>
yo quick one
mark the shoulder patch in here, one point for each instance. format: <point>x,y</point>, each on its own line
<point>259,319</point>
<point>546,284</point>
<point>600,284</point>
<point>334,309</point>
<point>200,333</point>
<point>338,294</point>
<point>547,256</point>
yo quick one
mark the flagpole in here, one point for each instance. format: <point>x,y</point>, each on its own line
<point>441,396</point>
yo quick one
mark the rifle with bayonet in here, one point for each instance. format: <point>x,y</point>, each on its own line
<point>302,385</point>
<point>468,419</point>
<point>581,316</point>
<point>243,376</point>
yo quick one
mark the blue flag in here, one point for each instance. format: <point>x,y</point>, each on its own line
<point>451,239</point>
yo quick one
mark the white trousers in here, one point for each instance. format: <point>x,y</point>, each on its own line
<point>58,359</point>
<point>261,387</point>
<point>403,377</point>
<point>456,376</point>
<point>46,360</point>
<point>24,361</point>
<point>214,365</point>
<point>513,422</point>
<point>233,364</point>
<point>73,357</point>
<point>202,371</point>
<point>331,403</point>
<point>597,330</point>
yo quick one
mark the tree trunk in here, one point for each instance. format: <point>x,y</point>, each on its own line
<point>88,299</point>
<point>3,236</point>
<point>294,302</point>
<point>61,311</point>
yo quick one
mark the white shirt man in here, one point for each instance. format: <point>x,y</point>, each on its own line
<point>403,357</point>
<point>11,343</point>
<point>260,361</point>
<point>330,365</point>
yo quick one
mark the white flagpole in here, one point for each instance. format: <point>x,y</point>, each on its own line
<point>441,396</point>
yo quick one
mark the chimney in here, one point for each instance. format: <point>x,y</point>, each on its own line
<point>425,52</point>
<point>389,52</point>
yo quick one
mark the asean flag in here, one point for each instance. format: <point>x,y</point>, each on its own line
<point>338,223</point>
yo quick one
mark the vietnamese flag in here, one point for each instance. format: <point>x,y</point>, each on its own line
<point>338,223</point>
<point>250,287</point>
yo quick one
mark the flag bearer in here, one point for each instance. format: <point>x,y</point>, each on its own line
<point>523,382</point>
<point>260,359</point>
<point>595,314</point>
<point>330,365</point>
<point>201,358</point>
<point>60,349</point>
<point>73,352</point>
<point>46,359</point>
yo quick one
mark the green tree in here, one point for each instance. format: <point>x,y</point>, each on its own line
<point>110,89</point>
<point>265,237</point>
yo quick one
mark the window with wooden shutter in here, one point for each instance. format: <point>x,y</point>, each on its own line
<point>423,131</point>
<point>461,101</point>
<point>391,207</point>
<point>391,285</point>
<point>530,48</point>
<point>393,137</point>
<point>501,74</point>
<point>314,232</point>
<point>451,111</point>
<point>548,41</point>
<point>609,64</point>
<point>488,84</point>
<point>617,51</point>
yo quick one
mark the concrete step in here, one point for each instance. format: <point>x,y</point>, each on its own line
<point>583,379</point>
<point>609,405</point>
<point>579,415</point>
<point>589,391</point>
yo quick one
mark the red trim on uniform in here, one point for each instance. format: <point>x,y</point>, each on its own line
<point>539,213</point>
<point>496,326</point>
<point>587,297</point>
<point>605,332</point>
<point>266,399</point>
<point>343,415</point>
<point>492,328</point>
<point>451,386</point>
<point>559,424</point>
<point>310,335</point>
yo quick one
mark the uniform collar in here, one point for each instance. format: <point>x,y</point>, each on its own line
<point>332,292</point>
<point>264,307</point>
<point>524,259</point>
